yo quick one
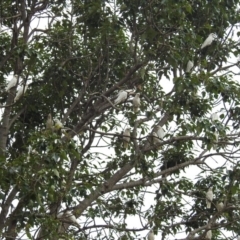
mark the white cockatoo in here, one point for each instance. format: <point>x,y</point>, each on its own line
<point>60,215</point>
<point>220,206</point>
<point>12,83</point>
<point>126,137</point>
<point>136,102</point>
<point>58,124</point>
<point>216,140</point>
<point>121,97</point>
<point>68,216</point>
<point>22,90</point>
<point>156,139</point>
<point>209,40</point>
<point>214,117</point>
<point>209,197</point>
<point>189,66</point>
<point>209,234</point>
<point>72,218</point>
<point>49,122</point>
<point>160,132</point>
<point>150,235</point>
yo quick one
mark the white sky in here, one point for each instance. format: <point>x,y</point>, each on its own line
<point>192,172</point>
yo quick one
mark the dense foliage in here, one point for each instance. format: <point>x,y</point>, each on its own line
<point>75,56</point>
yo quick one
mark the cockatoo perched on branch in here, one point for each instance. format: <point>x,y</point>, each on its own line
<point>136,102</point>
<point>58,124</point>
<point>209,40</point>
<point>126,137</point>
<point>12,83</point>
<point>214,117</point>
<point>20,92</point>
<point>151,235</point>
<point>220,206</point>
<point>121,97</point>
<point>72,218</point>
<point>189,66</point>
<point>209,234</point>
<point>160,132</point>
<point>68,216</point>
<point>156,139</point>
<point>49,123</point>
<point>209,197</point>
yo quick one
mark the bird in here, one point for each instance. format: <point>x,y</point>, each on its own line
<point>160,132</point>
<point>126,137</point>
<point>72,218</point>
<point>49,122</point>
<point>209,234</point>
<point>208,41</point>
<point>156,139</point>
<point>220,206</point>
<point>209,197</point>
<point>12,83</point>
<point>121,97</point>
<point>214,117</point>
<point>151,235</point>
<point>136,102</point>
<point>216,140</point>
<point>58,124</point>
<point>189,66</point>
<point>20,92</point>
<point>60,215</point>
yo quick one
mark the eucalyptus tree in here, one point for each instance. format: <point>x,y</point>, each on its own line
<point>64,171</point>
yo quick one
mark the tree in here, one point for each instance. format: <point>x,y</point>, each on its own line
<point>75,56</point>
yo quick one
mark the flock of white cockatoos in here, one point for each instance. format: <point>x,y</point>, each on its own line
<point>157,135</point>
<point>208,41</point>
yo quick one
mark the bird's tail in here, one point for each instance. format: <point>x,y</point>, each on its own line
<point>208,204</point>
<point>135,109</point>
<point>125,144</point>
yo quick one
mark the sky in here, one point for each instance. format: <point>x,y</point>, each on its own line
<point>192,172</point>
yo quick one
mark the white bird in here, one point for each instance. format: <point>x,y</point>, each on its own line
<point>216,140</point>
<point>189,66</point>
<point>220,206</point>
<point>58,124</point>
<point>156,139</point>
<point>209,197</point>
<point>71,218</point>
<point>136,102</point>
<point>60,215</point>
<point>49,122</point>
<point>126,137</point>
<point>209,40</point>
<point>214,117</point>
<point>20,92</point>
<point>151,235</point>
<point>160,132</point>
<point>121,97</point>
<point>209,234</point>
<point>12,83</point>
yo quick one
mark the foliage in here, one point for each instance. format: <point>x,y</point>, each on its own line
<point>76,55</point>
